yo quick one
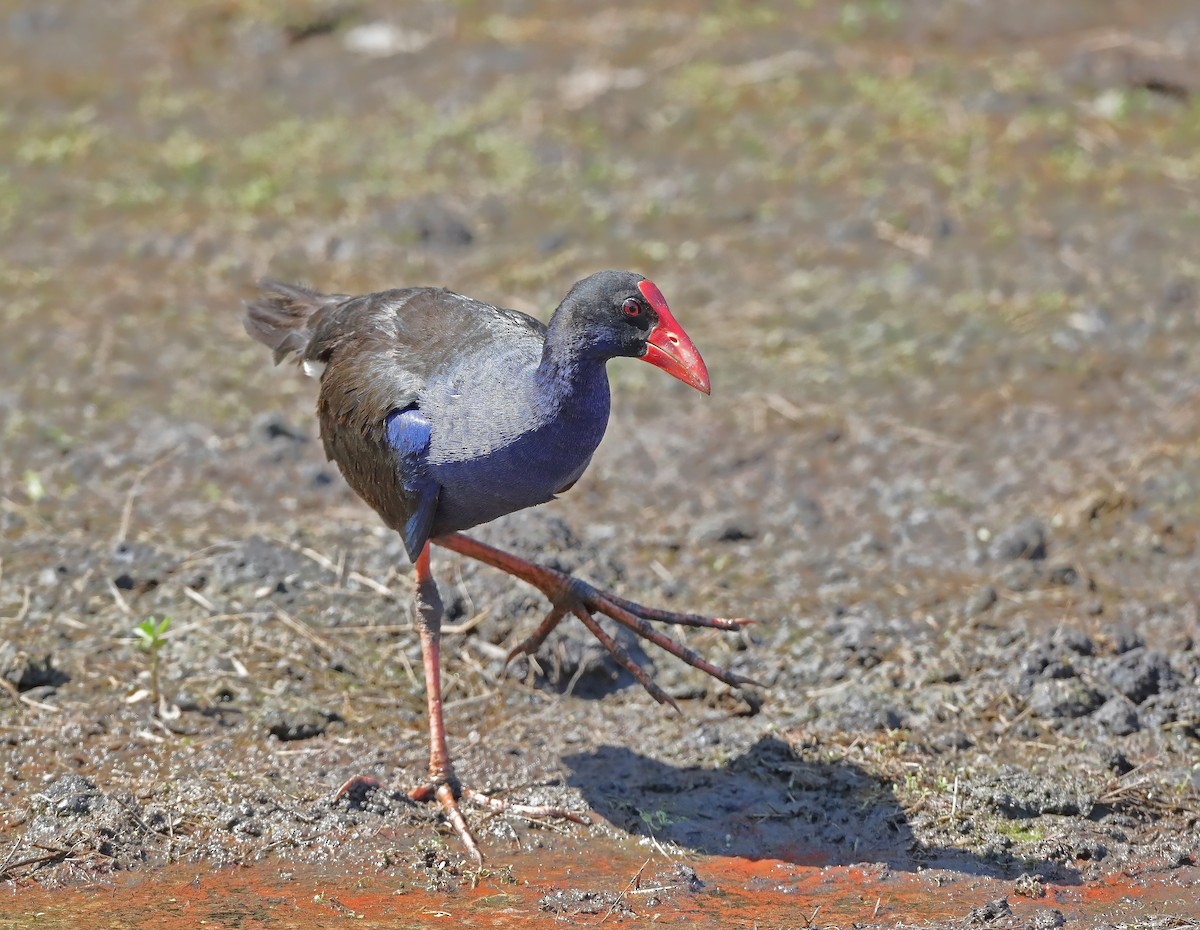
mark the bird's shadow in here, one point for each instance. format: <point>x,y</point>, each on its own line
<point>770,803</point>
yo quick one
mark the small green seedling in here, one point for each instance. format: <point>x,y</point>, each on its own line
<point>656,820</point>
<point>151,636</point>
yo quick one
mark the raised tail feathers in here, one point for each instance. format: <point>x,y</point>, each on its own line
<point>280,318</point>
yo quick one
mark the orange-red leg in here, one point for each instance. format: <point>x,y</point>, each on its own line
<point>570,594</point>
<point>442,783</point>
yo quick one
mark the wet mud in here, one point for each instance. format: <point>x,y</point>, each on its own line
<point>940,258</point>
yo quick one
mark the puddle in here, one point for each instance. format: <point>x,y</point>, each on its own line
<point>585,885</point>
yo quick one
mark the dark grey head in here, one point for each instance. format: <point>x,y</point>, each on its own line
<point>619,313</point>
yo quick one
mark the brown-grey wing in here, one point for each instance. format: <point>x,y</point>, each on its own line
<point>378,353</point>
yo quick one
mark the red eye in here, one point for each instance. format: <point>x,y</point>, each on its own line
<point>631,307</point>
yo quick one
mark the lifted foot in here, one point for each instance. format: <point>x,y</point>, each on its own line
<point>570,594</point>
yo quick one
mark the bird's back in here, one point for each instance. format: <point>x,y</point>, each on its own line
<point>460,363</point>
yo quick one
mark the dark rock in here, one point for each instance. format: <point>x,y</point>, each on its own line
<point>289,723</point>
<point>806,512</point>
<point>576,902</point>
<point>1089,850</point>
<point>1123,639</point>
<point>951,741</point>
<point>678,875</point>
<point>720,528</point>
<point>275,427</point>
<point>314,25</point>
<point>1058,698</point>
<point>552,242</point>
<point>432,222</point>
<point>1118,716</point>
<point>1117,761</point>
<point>864,711</point>
<point>33,21</point>
<point>1179,292</point>
<point>1046,659</point>
<point>1179,709</point>
<point>69,796</point>
<point>979,602</point>
<point>1063,576</point>
<point>1020,576</point>
<point>1026,540</point>
<point>989,913</point>
<point>860,642</point>
<point>1048,919</point>
<point>25,672</point>
<point>1021,794</point>
<point>1055,657</point>
<point>1140,673</point>
<point>1076,641</point>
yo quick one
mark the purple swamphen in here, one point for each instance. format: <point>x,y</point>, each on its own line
<point>444,412</point>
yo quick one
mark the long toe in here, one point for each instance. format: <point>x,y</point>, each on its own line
<point>448,791</point>
<point>356,788</point>
<point>532,811</point>
<point>445,795</point>
<point>569,594</point>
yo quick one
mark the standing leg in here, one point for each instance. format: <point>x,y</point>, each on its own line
<point>442,783</point>
<point>429,629</point>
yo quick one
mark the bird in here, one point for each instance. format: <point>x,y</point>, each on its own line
<point>443,412</point>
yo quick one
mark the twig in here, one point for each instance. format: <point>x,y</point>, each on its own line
<point>11,689</point>
<point>24,609</point>
<point>372,584</point>
<point>323,560</point>
<point>127,510</point>
<point>26,699</point>
<point>909,242</point>
<point>621,897</point>
<point>54,855</point>
<point>467,625</point>
<point>12,852</point>
<point>368,628</point>
<point>784,407</point>
<point>194,595</point>
<point>322,645</point>
<point>116,596</point>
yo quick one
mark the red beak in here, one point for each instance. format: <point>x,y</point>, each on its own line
<point>669,347</point>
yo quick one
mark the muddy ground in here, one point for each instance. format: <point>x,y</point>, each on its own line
<point>941,258</point>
